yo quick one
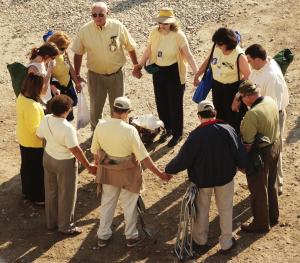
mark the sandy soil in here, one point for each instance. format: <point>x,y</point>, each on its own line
<point>23,235</point>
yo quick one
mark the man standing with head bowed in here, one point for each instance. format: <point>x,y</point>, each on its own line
<point>104,40</point>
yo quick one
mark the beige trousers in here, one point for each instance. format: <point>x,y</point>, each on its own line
<point>99,86</point>
<point>109,199</point>
<point>282,119</point>
<point>60,177</point>
<point>224,200</point>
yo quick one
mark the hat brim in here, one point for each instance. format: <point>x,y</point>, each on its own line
<point>165,19</point>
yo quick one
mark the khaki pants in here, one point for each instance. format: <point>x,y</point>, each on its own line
<point>60,192</point>
<point>282,118</point>
<point>224,200</point>
<point>109,199</point>
<point>99,86</point>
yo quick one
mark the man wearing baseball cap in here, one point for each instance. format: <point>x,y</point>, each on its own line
<point>119,152</point>
<point>211,155</point>
<point>262,119</point>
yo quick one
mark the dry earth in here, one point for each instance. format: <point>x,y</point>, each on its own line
<point>23,236</point>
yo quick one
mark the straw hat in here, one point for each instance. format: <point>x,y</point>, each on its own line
<point>166,15</point>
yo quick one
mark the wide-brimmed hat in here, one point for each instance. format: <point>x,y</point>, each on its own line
<point>122,103</point>
<point>166,15</point>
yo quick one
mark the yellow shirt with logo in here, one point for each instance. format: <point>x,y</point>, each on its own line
<point>61,71</point>
<point>104,45</point>
<point>29,116</point>
<point>165,50</point>
<point>224,67</point>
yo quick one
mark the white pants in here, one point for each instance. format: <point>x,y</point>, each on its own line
<point>224,200</point>
<point>282,118</point>
<point>109,199</point>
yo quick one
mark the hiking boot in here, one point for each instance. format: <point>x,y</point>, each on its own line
<point>103,242</point>
<point>134,241</point>
<point>228,250</point>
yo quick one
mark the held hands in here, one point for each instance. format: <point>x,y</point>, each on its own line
<point>92,169</point>
<point>78,84</point>
<point>165,176</point>
<point>55,90</point>
<point>137,71</point>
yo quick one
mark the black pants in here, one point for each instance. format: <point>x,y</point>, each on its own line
<point>223,95</point>
<point>263,189</point>
<point>32,173</point>
<point>70,92</point>
<point>169,98</point>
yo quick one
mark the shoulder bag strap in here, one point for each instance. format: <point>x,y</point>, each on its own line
<point>209,59</point>
<point>238,66</point>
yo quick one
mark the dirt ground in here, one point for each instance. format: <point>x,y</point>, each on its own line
<point>23,235</point>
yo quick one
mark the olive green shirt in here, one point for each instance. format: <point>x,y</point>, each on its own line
<point>262,118</point>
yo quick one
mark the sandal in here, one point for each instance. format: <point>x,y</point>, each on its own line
<point>72,231</point>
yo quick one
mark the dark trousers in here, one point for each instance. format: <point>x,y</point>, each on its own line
<point>222,95</point>
<point>32,173</point>
<point>70,92</point>
<point>169,98</point>
<point>263,189</point>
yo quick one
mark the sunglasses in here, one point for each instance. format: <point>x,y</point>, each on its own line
<point>99,15</point>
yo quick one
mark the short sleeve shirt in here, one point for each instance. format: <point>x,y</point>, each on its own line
<point>118,139</point>
<point>60,136</point>
<point>104,45</point>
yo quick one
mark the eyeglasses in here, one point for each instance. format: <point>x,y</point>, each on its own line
<point>220,43</point>
<point>99,15</point>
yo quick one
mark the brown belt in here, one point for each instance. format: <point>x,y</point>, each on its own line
<point>107,75</point>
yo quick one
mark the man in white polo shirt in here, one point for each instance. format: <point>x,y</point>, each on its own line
<point>118,150</point>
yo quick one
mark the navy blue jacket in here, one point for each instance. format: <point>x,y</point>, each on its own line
<point>211,155</point>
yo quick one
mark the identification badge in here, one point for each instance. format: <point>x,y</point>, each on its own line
<point>159,54</point>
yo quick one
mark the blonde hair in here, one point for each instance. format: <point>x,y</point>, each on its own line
<point>60,38</point>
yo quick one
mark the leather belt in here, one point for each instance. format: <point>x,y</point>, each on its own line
<point>107,75</point>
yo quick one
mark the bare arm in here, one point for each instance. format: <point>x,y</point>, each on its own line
<point>244,66</point>
<point>148,163</point>
<point>77,66</point>
<point>200,71</point>
<point>133,57</point>
<point>73,74</point>
<point>145,56</point>
<point>78,153</point>
<point>189,57</point>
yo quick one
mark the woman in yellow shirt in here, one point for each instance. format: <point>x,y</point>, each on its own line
<point>29,115</point>
<point>168,52</point>
<point>62,75</point>
<point>229,66</point>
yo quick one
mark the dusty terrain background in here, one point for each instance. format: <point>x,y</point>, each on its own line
<point>23,236</point>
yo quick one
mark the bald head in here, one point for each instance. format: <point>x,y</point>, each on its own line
<point>99,12</point>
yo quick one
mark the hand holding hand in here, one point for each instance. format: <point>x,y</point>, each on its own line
<point>136,72</point>
<point>55,90</point>
<point>165,176</point>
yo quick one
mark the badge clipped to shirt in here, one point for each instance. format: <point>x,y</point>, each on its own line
<point>113,44</point>
<point>159,54</point>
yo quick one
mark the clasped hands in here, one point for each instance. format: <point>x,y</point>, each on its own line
<point>137,71</point>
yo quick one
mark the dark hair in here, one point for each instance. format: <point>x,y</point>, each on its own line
<point>47,49</point>
<point>208,114</point>
<point>256,51</point>
<point>32,86</point>
<point>119,111</point>
<point>60,104</point>
<point>225,36</point>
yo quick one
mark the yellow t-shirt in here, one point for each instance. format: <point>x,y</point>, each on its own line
<point>224,67</point>
<point>104,46</point>
<point>61,71</point>
<point>29,115</point>
<point>118,139</point>
<point>165,49</point>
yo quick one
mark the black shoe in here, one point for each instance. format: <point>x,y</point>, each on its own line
<point>252,228</point>
<point>165,136</point>
<point>228,250</point>
<point>200,249</point>
<point>174,141</point>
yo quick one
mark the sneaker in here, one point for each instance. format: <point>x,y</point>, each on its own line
<point>228,250</point>
<point>103,242</point>
<point>134,241</point>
